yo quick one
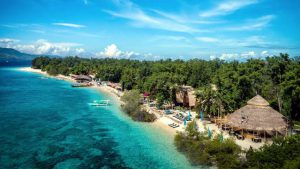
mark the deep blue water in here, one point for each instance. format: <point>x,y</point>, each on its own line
<point>45,123</point>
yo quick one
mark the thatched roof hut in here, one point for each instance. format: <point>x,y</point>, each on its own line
<point>83,78</point>
<point>186,96</point>
<point>258,116</point>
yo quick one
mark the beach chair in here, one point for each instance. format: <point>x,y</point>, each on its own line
<point>168,111</point>
<point>256,139</point>
<point>240,137</point>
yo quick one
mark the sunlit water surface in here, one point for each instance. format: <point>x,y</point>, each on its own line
<point>45,123</point>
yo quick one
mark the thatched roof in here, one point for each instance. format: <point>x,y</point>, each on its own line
<point>257,115</point>
<point>258,101</point>
<point>83,77</point>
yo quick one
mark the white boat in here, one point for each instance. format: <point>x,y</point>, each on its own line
<point>99,103</point>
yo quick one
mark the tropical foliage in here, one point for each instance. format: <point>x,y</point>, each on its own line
<point>275,78</point>
<point>132,107</point>
<point>282,153</point>
<point>203,150</point>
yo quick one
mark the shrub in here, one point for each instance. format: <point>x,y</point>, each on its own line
<point>132,107</point>
<point>282,153</point>
<point>201,150</point>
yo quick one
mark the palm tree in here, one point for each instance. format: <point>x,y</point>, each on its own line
<point>210,100</point>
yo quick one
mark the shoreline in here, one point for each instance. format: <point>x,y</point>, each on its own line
<point>159,123</point>
<point>67,78</point>
<point>162,121</point>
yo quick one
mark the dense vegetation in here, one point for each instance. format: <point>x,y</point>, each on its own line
<point>276,78</point>
<point>202,150</point>
<point>221,87</point>
<point>282,154</point>
<point>132,107</point>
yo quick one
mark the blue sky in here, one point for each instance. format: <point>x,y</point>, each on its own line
<point>206,29</point>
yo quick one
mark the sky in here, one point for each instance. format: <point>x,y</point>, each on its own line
<point>152,29</point>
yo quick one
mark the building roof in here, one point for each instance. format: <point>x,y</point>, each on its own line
<point>146,94</point>
<point>257,115</point>
<point>258,101</point>
<point>83,77</point>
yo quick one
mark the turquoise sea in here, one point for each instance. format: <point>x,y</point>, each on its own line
<point>45,123</point>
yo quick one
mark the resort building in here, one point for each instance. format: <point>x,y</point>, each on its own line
<point>82,78</point>
<point>116,86</point>
<point>185,96</point>
<point>257,119</point>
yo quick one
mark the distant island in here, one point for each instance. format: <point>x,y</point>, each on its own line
<point>10,55</point>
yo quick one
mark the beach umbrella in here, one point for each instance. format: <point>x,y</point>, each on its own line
<point>209,133</point>
<point>189,116</point>
<point>221,137</point>
<point>184,122</point>
<point>201,115</point>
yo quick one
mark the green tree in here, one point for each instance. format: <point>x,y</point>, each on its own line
<point>132,107</point>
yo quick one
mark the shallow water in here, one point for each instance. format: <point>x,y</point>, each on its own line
<point>45,123</point>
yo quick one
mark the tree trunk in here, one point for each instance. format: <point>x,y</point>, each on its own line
<point>279,101</point>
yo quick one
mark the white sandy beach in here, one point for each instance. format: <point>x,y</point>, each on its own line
<point>61,77</point>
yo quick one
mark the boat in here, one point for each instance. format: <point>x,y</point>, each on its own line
<point>173,125</point>
<point>81,85</point>
<point>99,103</point>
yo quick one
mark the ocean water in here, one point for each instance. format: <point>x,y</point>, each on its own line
<point>45,123</point>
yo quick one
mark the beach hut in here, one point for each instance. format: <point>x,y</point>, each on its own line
<point>185,96</point>
<point>259,118</point>
<point>83,78</point>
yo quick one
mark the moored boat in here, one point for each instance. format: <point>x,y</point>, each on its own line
<point>99,103</point>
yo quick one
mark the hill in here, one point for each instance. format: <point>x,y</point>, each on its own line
<point>9,54</point>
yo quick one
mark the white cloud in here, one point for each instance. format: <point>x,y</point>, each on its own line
<point>264,53</point>
<point>249,42</point>
<point>72,25</point>
<point>227,7</point>
<point>129,10</point>
<point>7,40</point>
<point>170,38</point>
<point>208,39</point>
<point>112,51</point>
<point>38,31</point>
<point>20,25</point>
<point>212,57</point>
<point>185,19</point>
<point>237,56</point>
<point>247,55</point>
<point>241,56</point>
<point>229,56</point>
<point>253,24</point>
<point>44,47</point>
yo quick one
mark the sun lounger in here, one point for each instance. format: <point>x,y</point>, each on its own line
<point>240,137</point>
<point>256,139</point>
<point>231,133</point>
<point>168,112</point>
